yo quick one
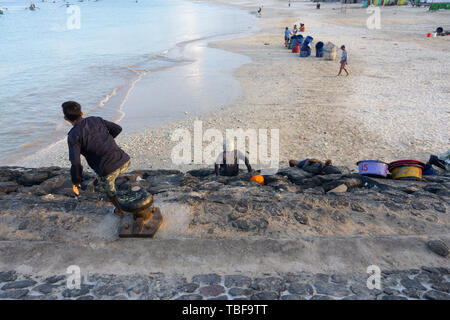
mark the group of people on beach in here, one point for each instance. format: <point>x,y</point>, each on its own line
<point>295,30</point>
<point>287,38</point>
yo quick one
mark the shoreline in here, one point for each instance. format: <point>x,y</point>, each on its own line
<point>319,115</point>
<point>191,56</point>
<point>115,99</point>
<point>118,98</point>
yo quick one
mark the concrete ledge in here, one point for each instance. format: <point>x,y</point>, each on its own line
<point>193,256</point>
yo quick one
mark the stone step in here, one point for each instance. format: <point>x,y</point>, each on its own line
<point>191,256</point>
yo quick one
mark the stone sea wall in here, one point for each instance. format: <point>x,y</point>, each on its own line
<point>38,206</point>
<point>424,283</point>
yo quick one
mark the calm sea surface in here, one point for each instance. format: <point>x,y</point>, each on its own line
<point>88,52</point>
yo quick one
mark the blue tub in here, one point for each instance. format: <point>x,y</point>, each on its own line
<point>305,53</point>
<point>308,40</point>
<point>319,49</point>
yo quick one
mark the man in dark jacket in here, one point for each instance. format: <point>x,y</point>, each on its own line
<point>93,137</point>
<point>227,163</point>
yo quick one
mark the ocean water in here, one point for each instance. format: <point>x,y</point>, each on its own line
<point>92,52</point>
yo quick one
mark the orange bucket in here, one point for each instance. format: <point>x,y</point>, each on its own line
<point>258,178</point>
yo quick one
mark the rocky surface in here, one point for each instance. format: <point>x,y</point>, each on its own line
<point>37,206</point>
<point>424,283</point>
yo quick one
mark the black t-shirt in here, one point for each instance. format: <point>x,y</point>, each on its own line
<point>93,137</point>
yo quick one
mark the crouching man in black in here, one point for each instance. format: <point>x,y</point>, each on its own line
<point>93,137</point>
<point>227,163</point>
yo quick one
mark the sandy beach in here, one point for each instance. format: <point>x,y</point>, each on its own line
<point>298,236</point>
<point>393,105</point>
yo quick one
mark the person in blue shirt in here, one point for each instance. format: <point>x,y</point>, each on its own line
<point>343,61</point>
<point>287,36</point>
<point>93,137</point>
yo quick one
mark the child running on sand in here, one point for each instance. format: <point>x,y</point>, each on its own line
<point>93,137</point>
<point>343,61</point>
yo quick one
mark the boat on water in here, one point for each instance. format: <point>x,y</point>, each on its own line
<point>2,10</point>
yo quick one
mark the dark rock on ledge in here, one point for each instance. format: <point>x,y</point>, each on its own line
<point>39,203</point>
<point>33,177</point>
<point>8,186</point>
<point>201,173</point>
<point>438,247</point>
